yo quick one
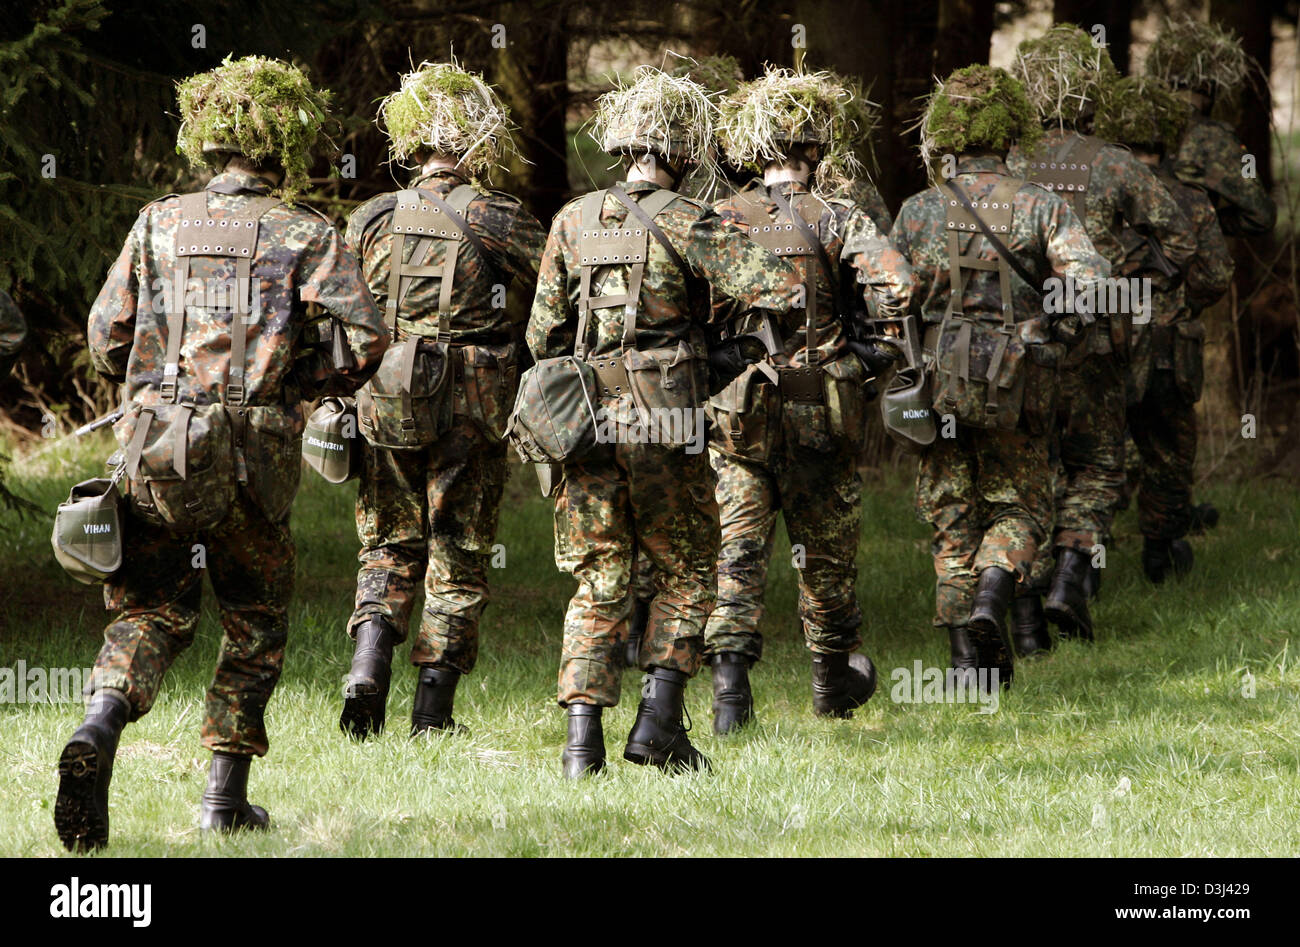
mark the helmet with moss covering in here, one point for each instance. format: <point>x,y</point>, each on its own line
<point>1143,113</point>
<point>1201,57</point>
<point>1063,72</point>
<point>977,107</point>
<point>761,120</point>
<point>263,109</point>
<point>444,109</point>
<point>669,116</point>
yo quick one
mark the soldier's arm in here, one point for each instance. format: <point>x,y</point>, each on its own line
<point>330,276</point>
<point>1210,273</point>
<point>906,225</point>
<point>110,331</point>
<point>737,267</point>
<point>882,271</point>
<point>516,243</point>
<point>552,323</point>
<point>1216,155</point>
<point>1150,209</point>
<point>869,200</point>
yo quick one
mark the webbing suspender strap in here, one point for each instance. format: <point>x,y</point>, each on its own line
<point>626,245</point>
<point>828,273</point>
<point>427,217</point>
<point>1068,172</point>
<point>201,235</point>
<point>962,216</point>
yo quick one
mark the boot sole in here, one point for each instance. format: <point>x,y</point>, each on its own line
<point>363,714</point>
<point>642,755</point>
<point>80,824</point>
<point>1064,617</point>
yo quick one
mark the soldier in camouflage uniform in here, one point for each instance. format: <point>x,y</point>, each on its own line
<point>1165,368</point>
<point>1063,72</point>
<point>1204,63</point>
<point>13,332</point>
<point>632,495</point>
<point>792,448</point>
<point>986,489</point>
<point>212,424</point>
<point>430,512</point>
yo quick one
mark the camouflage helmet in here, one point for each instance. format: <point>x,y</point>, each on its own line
<point>1063,71</point>
<point>977,107</point>
<point>1143,113</point>
<point>1201,57</point>
<point>659,113</point>
<point>718,73</point>
<point>761,119</point>
<point>443,108</point>
<point>263,109</point>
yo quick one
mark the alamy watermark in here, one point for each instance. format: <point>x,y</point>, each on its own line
<point>670,426</point>
<point>21,684</point>
<point>935,685</point>
<point>1111,295</point>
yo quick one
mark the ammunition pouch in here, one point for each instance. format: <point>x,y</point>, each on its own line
<point>1189,365</point>
<point>979,372</point>
<point>180,464</point>
<point>87,536</point>
<point>554,417</point>
<point>845,381</point>
<point>491,381</point>
<point>329,440</point>
<point>745,417</point>
<point>407,404</point>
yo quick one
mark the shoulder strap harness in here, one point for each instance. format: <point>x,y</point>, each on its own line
<point>995,212</point>
<point>427,217</point>
<point>201,235</point>
<point>1068,172</point>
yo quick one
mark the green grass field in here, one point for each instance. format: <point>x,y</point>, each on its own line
<point>1142,745</point>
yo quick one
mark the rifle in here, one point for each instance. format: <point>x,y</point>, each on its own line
<point>110,418</point>
<point>731,352</point>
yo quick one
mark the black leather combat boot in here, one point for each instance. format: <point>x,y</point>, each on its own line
<point>365,692</point>
<point>841,682</point>
<point>658,735</point>
<point>1067,603</point>
<point>434,694</point>
<point>1180,550</point>
<point>733,703</point>
<point>1156,559</point>
<point>992,597</point>
<point>584,750</point>
<point>85,769</point>
<point>965,659</point>
<point>225,805</point>
<point>1204,516</point>
<point>993,653</point>
<point>636,623</point>
<point>1029,631</point>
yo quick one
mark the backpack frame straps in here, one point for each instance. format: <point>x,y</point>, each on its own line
<point>1068,172</point>
<point>600,247</point>
<point>646,210</point>
<point>201,235</point>
<point>812,243</point>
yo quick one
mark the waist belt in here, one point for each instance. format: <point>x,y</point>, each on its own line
<point>611,375</point>
<point>802,385</point>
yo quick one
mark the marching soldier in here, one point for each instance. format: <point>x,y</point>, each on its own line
<point>788,441</point>
<point>1202,63</point>
<point>981,246</point>
<point>1165,370</point>
<point>438,256</point>
<point>213,374</point>
<point>642,325</point>
<point>1063,72</point>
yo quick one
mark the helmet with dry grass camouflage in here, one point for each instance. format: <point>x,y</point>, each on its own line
<point>444,109</point>
<point>1142,113</point>
<point>1063,72</point>
<point>658,113</point>
<point>1201,57</point>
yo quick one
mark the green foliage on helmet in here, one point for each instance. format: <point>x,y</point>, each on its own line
<point>1063,72</point>
<point>1202,57</point>
<point>263,109</point>
<point>761,119</point>
<point>1143,113</point>
<point>978,107</point>
<point>445,109</point>
<point>658,113</point>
